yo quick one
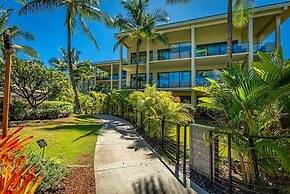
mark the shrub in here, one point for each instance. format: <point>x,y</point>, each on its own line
<point>48,110</point>
<point>16,176</point>
<point>50,167</point>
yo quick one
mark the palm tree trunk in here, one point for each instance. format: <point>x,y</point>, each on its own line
<point>137,64</point>
<point>230,35</point>
<point>71,73</point>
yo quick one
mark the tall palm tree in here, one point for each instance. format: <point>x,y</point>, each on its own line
<point>76,10</point>
<point>238,16</point>
<point>14,32</point>
<point>139,25</point>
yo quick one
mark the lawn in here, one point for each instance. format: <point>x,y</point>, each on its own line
<point>71,140</point>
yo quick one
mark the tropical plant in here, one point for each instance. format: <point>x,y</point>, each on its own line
<point>51,167</point>
<point>82,70</point>
<point>75,11</point>
<point>15,175</point>
<point>250,103</point>
<point>139,25</point>
<point>34,82</point>
<point>15,33</point>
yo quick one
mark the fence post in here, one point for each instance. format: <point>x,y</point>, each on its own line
<point>211,156</point>
<point>230,162</point>
<point>254,158</point>
<point>162,131</point>
<point>216,156</point>
<point>141,122</point>
<point>184,149</point>
<point>177,144</point>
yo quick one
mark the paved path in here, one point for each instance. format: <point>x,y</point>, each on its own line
<point>124,164</point>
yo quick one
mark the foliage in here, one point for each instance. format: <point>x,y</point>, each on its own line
<point>75,11</point>
<point>83,71</point>
<point>48,110</point>
<point>139,25</point>
<point>92,102</point>
<point>50,167</point>
<point>34,82</point>
<point>16,176</point>
<point>15,33</point>
<point>251,103</point>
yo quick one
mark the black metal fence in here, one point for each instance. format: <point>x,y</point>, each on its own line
<point>230,172</point>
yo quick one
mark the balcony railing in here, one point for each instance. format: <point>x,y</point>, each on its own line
<point>265,47</point>
<point>220,49</point>
<point>203,51</point>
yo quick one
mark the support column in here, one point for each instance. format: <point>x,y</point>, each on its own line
<point>147,60</point>
<point>120,66</point>
<point>251,41</point>
<point>112,72</point>
<point>192,66</point>
<point>278,31</point>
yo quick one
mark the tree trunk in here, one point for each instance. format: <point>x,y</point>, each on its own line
<point>137,64</point>
<point>71,73</point>
<point>230,35</point>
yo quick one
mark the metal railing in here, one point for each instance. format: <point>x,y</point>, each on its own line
<point>171,140</point>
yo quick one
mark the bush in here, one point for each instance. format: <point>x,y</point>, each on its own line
<point>48,110</point>
<point>50,167</point>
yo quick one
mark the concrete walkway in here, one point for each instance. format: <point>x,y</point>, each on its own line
<point>124,164</point>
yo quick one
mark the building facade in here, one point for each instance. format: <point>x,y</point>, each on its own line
<point>196,49</point>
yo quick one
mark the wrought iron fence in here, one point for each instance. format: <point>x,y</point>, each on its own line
<point>224,174</point>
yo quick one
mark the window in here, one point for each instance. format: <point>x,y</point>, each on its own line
<point>142,57</point>
<point>175,51</point>
<point>202,75</point>
<point>185,50</point>
<point>163,80</point>
<point>185,79</point>
<point>141,80</point>
<point>174,79</point>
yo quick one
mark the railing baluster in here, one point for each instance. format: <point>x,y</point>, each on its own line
<point>230,162</point>
<point>184,149</point>
<point>177,144</point>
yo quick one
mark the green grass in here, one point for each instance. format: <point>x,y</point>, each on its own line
<point>200,122</point>
<point>71,140</point>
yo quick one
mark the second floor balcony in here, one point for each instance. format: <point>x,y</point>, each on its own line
<point>183,51</point>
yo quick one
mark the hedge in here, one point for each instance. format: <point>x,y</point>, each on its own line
<point>48,110</point>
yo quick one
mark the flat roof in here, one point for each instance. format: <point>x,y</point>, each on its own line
<point>216,16</point>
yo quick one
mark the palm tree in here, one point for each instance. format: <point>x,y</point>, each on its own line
<point>15,33</point>
<point>82,70</point>
<point>139,25</point>
<point>75,10</point>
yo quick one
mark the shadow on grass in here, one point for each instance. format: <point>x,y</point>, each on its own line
<point>89,129</point>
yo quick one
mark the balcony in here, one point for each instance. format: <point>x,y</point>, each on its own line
<point>183,51</point>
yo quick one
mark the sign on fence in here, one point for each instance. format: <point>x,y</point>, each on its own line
<point>200,149</point>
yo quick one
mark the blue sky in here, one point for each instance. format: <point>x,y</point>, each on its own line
<point>49,31</point>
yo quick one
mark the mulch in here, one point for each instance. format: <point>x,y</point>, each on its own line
<point>79,180</point>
